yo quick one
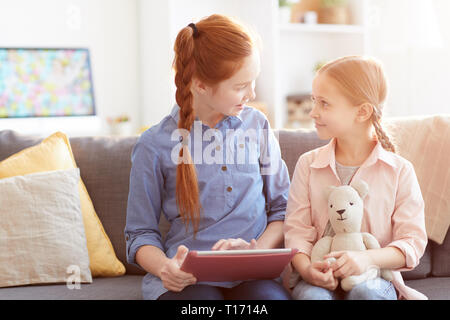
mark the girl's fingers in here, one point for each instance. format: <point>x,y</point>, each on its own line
<point>319,275</point>
<point>334,254</point>
<point>234,244</point>
<point>174,272</point>
<point>218,244</point>
<point>321,265</point>
<point>175,284</point>
<point>343,272</point>
<point>338,263</point>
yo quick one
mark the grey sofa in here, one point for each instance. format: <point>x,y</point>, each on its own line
<point>105,164</point>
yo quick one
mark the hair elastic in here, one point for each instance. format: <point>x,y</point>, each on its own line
<point>194,27</point>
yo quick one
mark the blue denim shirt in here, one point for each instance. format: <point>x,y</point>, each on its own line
<point>243,185</point>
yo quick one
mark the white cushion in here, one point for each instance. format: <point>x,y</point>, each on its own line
<point>42,238</point>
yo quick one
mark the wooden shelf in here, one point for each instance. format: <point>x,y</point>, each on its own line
<point>322,28</point>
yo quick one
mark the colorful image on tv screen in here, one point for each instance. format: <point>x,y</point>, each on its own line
<point>45,83</point>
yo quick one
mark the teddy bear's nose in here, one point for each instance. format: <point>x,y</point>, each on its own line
<point>340,211</point>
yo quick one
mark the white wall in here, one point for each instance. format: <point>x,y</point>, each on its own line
<point>156,54</point>
<point>108,28</point>
<point>160,23</point>
<point>412,39</point>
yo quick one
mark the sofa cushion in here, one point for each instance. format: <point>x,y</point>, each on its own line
<point>127,287</point>
<point>105,164</point>
<point>441,258</point>
<point>425,141</point>
<point>433,288</point>
<point>55,153</point>
<point>293,143</point>
<point>41,229</point>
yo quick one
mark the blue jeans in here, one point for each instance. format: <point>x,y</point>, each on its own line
<point>377,289</point>
<point>248,290</point>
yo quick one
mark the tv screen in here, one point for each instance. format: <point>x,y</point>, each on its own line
<point>45,83</point>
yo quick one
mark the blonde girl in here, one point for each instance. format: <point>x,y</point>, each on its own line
<point>186,168</point>
<point>349,94</point>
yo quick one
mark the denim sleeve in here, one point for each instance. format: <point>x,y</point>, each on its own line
<point>144,201</point>
<point>275,175</point>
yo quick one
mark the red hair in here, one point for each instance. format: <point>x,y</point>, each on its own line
<point>211,51</point>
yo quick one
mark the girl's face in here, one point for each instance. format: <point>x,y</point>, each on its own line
<point>229,96</point>
<point>334,115</point>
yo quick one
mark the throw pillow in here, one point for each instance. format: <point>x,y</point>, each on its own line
<point>55,153</point>
<point>42,238</point>
<point>425,141</point>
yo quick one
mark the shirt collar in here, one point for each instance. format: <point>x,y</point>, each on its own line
<point>326,156</point>
<point>175,114</point>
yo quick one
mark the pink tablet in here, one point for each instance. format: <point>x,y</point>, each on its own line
<point>231,265</point>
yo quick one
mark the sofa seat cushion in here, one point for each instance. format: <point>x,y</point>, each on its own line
<point>126,287</point>
<point>435,288</point>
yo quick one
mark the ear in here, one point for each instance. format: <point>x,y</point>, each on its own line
<point>329,190</point>
<point>361,187</point>
<point>198,86</point>
<point>365,112</point>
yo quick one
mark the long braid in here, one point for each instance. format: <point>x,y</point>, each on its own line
<point>381,134</point>
<point>187,191</point>
<point>210,51</point>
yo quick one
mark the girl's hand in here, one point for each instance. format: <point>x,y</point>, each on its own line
<point>234,244</point>
<point>172,277</point>
<point>349,263</point>
<point>320,274</point>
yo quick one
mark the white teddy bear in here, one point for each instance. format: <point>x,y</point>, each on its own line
<point>346,210</point>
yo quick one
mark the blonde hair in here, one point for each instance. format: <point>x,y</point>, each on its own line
<point>362,80</point>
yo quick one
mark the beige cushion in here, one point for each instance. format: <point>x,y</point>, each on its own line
<point>425,141</point>
<point>42,238</point>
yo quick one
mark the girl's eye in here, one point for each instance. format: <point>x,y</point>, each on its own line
<point>351,203</point>
<point>331,206</point>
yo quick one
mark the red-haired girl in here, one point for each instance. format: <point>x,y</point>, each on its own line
<point>212,167</point>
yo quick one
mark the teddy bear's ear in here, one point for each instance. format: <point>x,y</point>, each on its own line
<point>328,191</point>
<point>361,187</point>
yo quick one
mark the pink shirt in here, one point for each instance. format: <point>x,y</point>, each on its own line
<point>393,209</point>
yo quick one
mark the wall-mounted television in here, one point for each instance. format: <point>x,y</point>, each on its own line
<point>45,82</point>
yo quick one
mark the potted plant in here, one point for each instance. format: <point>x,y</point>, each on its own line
<point>333,11</point>
<point>284,11</point>
<point>120,125</point>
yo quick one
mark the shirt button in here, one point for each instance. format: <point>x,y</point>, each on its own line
<point>218,148</point>
<point>241,145</point>
<point>224,168</point>
<point>229,189</point>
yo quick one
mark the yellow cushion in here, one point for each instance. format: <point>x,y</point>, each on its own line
<point>55,153</point>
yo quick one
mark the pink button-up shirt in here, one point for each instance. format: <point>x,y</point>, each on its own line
<point>393,209</point>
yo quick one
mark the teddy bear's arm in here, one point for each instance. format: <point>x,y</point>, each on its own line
<point>321,248</point>
<point>370,241</point>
